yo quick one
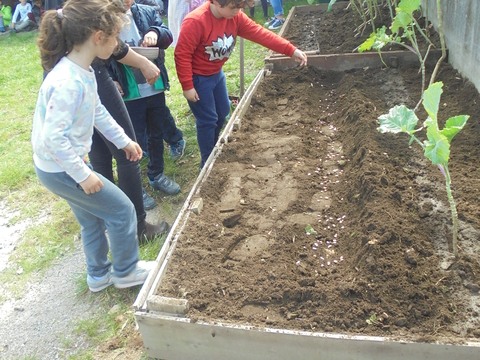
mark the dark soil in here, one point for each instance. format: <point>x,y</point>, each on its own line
<point>340,30</point>
<point>313,220</point>
<point>308,154</point>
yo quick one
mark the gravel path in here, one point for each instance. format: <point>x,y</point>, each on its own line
<point>43,321</point>
<point>41,324</point>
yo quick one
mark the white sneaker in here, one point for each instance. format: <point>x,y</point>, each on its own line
<point>136,277</point>
<point>99,285</point>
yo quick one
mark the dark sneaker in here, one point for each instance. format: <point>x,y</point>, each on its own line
<point>136,277</point>
<point>147,232</point>
<point>269,22</point>
<point>148,202</point>
<point>277,24</point>
<point>163,183</point>
<point>177,150</point>
<point>99,285</point>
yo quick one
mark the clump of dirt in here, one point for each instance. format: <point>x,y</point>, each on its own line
<point>341,31</point>
<point>333,226</point>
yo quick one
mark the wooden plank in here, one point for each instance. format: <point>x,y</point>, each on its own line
<point>174,338</point>
<point>283,30</point>
<point>342,62</point>
<point>168,305</point>
<point>150,286</point>
<point>301,9</point>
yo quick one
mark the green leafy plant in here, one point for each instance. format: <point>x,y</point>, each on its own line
<point>373,320</point>
<point>310,230</point>
<point>437,146</point>
<point>404,26</point>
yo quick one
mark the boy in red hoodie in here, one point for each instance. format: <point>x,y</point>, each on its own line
<point>207,38</point>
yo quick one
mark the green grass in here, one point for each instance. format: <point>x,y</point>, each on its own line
<point>52,228</point>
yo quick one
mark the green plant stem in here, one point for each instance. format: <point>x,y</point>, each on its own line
<point>390,8</point>
<point>413,40</point>
<point>418,141</point>
<point>422,32</point>
<point>361,11</point>
<point>370,10</point>
<point>453,208</point>
<point>442,42</point>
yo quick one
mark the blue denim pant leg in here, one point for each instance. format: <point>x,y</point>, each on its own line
<point>137,110</point>
<point>171,134</point>
<point>148,117</point>
<point>277,7</point>
<point>108,209</point>
<point>210,111</point>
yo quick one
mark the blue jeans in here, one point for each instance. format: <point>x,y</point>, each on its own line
<point>107,209</point>
<point>171,134</point>
<point>148,116</point>
<point>210,111</point>
<point>277,6</point>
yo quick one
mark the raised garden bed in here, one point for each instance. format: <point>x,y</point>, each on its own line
<point>244,279</point>
<point>247,259</point>
<point>331,39</point>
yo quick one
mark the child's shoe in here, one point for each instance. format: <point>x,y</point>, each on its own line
<point>269,22</point>
<point>276,24</point>
<point>148,202</point>
<point>163,183</point>
<point>177,150</point>
<point>136,277</point>
<point>96,285</point>
<point>147,232</point>
<point>2,29</point>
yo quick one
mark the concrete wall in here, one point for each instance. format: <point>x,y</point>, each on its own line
<point>461,27</point>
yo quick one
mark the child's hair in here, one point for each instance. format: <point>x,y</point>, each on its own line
<point>62,29</point>
<point>237,3</point>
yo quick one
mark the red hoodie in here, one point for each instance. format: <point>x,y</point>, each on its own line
<point>205,42</point>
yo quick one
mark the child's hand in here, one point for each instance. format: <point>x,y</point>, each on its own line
<point>119,87</point>
<point>191,95</point>
<point>134,151</point>
<point>300,57</point>
<point>92,184</point>
<point>150,39</point>
<point>150,71</point>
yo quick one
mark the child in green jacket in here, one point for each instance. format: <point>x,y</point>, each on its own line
<point>5,16</point>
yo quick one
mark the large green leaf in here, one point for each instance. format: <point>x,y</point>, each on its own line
<point>399,119</point>
<point>376,40</point>
<point>437,147</point>
<point>431,100</point>
<point>453,126</point>
<point>367,44</point>
<point>401,21</point>
<point>381,39</point>
<point>409,6</point>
